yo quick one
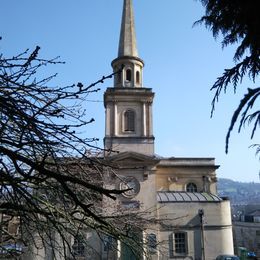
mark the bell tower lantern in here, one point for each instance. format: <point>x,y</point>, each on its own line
<point>128,104</point>
<point>128,60</point>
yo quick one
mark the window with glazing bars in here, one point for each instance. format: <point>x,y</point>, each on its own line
<point>191,187</point>
<point>178,244</point>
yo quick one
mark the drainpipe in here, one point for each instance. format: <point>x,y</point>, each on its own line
<point>201,216</point>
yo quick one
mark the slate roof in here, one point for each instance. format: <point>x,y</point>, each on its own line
<point>182,196</point>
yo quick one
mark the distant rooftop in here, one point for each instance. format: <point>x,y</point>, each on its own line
<point>255,213</point>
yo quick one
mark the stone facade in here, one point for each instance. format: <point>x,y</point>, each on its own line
<point>247,235</point>
<point>193,222</point>
<point>118,102</point>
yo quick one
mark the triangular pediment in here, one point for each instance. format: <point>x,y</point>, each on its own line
<point>133,157</point>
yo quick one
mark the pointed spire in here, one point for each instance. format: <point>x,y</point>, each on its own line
<point>127,42</point>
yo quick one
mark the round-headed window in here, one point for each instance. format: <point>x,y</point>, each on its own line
<point>128,75</point>
<point>129,121</point>
<point>191,187</point>
<point>137,77</point>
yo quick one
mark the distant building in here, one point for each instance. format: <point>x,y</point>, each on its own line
<point>247,232</point>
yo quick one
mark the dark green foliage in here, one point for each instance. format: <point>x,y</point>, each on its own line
<point>238,21</point>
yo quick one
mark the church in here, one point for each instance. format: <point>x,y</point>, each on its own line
<point>193,221</point>
<point>183,190</point>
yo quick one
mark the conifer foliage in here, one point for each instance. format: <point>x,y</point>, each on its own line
<point>238,21</point>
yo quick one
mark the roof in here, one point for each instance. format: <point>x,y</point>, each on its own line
<point>188,162</point>
<point>182,196</point>
<point>127,42</point>
<point>255,213</point>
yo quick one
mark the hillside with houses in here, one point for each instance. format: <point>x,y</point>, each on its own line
<point>239,193</point>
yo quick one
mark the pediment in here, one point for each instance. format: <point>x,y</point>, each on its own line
<point>133,158</point>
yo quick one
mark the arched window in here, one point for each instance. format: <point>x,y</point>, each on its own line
<point>119,77</point>
<point>137,77</point>
<point>129,121</point>
<point>128,75</point>
<point>110,243</point>
<point>191,187</point>
<point>78,248</point>
<point>151,242</point>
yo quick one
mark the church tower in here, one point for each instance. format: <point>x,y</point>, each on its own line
<point>128,104</point>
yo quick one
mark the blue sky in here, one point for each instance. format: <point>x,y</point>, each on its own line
<point>181,63</point>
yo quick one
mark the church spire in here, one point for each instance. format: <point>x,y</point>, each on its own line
<point>128,67</point>
<point>127,42</point>
<point>128,104</point>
